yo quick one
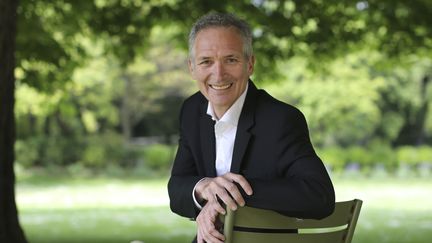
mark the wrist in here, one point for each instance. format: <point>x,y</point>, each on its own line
<point>199,188</point>
<point>197,198</point>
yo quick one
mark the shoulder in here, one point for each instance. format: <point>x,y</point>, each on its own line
<point>195,99</point>
<point>193,104</point>
<point>271,107</point>
<point>273,115</point>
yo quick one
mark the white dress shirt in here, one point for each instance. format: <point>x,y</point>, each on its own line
<point>225,130</point>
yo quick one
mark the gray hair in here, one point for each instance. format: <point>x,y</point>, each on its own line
<point>222,20</point>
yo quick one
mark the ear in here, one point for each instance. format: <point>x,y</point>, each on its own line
<point>251,65</point>
<point>191,67</point>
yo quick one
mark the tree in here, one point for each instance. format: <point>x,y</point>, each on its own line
<point>10,230</point>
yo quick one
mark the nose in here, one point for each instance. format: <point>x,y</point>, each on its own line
<point>219,71</point>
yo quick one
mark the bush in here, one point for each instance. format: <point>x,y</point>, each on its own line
<point>108,150</point>
<point>158,156</point>
<point>425,154</point>
<point>381,154</point>
<point>407,155</point>
<point>414,155</point>
<point>365,157</point>
<point>26,152</point>
<point>94,151</point>
<point>360,155</point>
<point>45,151</point>
<point>95,155</point>
<point>334,157</point>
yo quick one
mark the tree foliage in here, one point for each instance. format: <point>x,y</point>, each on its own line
<point>136,83</point>
<point>50,34</point>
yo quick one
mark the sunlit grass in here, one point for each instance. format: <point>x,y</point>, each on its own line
<point>87,193</point>
<point>99,210</point>
<point>148,224</point>
<point>394,209</point>
<point>122,210</point>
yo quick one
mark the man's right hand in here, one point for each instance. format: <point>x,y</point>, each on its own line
<point>223,188</point>
<point>211,189</point>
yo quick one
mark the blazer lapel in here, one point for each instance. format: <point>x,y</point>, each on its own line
<point>246,121</point>
<point>208,142</point>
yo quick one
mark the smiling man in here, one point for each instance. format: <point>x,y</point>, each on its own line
<point>238,145</point>
<point>220,66</point>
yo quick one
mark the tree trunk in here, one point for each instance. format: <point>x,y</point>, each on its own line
<point>125,112</point>
<point>413,131</point>
<point>10,230</point>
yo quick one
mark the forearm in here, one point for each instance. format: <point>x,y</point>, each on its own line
<point>302,197</point>
<point>180,192</point>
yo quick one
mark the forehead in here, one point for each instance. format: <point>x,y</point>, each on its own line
<point>218,39</point>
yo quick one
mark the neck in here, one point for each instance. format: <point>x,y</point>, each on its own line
<point>219,111</point>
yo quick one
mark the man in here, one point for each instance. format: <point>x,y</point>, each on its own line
<point>238,145</point>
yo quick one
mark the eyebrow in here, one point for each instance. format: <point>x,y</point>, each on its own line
<point>231,55</point>
<point>204,58</point>
<point>227,56</point>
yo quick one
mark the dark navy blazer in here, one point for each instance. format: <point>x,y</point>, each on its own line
<point>272,150</point>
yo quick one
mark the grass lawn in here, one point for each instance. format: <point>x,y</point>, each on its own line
<point>122,210</point>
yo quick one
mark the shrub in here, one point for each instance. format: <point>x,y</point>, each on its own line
<point>48,151</point>
<point>94,155</point>
<point>26,152</point>
<point>382,154</point>
<point>334,157</point>
<point>425,154</point>
<point>158,156</point>
<point>407,155</point>
<point>366,157</point>
<point>414,155</point>
<point>104,150</point>
<point>360,155</point>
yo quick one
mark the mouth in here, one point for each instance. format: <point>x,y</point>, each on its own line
<point>220,87</point>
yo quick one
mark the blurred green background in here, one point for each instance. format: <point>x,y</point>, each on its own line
<point>99,85</point>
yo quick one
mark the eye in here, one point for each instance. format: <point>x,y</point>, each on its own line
<point>204,62</point>
<point>232,60</point>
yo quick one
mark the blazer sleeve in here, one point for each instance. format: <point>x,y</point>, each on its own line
<point>303,187</point>
<point>184,175</point>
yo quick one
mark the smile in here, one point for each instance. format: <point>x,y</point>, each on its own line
<point>220,87</point>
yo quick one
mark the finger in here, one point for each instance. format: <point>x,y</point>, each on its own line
<point>216,190</point>
<point>231,196</point>
<point>217,207</point>
<point>213,235</point>
<point>241,181</point>
<point>218,236</point>
<point>235,193</point>
<point>199,237</point>
<point>210,234</point>
<point>224,195</point>
<point>212,239</point>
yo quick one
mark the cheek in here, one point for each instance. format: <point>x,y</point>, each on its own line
<point>199,75</point>
<point>202,86</point>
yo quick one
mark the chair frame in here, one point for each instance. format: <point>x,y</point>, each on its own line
<point>246,224</point>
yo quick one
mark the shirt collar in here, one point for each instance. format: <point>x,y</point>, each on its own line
<point>232,115</point>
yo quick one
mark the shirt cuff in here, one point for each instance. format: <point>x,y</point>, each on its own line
<point>193,195</point>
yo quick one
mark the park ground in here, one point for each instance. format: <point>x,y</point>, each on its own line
<point>113,210</point>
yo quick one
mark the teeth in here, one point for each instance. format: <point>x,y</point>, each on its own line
<point>220,87</point>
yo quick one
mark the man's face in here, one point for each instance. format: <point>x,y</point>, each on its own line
<point>220,67</point>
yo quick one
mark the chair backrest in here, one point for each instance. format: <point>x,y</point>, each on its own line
<point>252,225</point>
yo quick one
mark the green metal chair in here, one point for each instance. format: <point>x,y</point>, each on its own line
<point>252,225</point>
